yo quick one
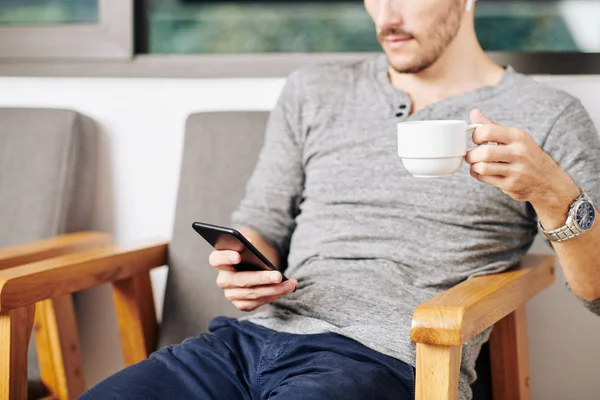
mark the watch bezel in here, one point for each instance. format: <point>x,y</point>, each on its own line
<point>575,210</point>
<point>571,229</point>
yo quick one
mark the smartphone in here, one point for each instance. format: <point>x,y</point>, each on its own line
<point>222,238</point>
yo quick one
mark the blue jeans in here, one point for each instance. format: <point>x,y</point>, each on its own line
<point>242,360</point>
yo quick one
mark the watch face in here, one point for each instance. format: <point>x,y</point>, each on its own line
<point>585,215</point>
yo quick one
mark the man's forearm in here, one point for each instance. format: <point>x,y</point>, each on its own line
<point>262,245</point>
<point>579,257</point>
<point>580,261</point>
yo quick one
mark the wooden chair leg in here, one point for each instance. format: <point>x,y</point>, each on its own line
<point>438,369</point>
<point>15,331</point>
<point>509,358</point>
<point>137,317</point>
<point>57,345</point>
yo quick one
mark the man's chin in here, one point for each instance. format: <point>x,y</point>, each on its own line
<point>405,65</point>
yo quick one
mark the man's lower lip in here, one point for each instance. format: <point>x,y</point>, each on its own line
<point>396,42</point>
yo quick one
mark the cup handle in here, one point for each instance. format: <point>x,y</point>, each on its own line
<point>473,126</point>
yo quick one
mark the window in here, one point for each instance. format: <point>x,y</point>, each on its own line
<point>188,27</point>
<point>48,12</point>
<point>258,27</point>
<point>213,38</point>
<point>77,29</point>
<point>539,26</point>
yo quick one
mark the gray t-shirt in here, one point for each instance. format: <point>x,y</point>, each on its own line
<point>368,242</point>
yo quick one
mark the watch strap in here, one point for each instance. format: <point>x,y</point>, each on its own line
<point>567,231</point>
<point>563,233</point>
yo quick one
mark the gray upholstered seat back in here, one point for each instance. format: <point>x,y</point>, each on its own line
<point>220,152</point>
<point>46,173</point>
<point>47,163</point>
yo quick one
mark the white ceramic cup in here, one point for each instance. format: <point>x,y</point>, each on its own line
<point>430,149</point>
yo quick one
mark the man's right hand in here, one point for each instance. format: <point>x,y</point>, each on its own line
<point>247,290</point>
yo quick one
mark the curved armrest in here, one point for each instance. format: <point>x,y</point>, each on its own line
<point>52,247</point>
<point>457,315</point>
<point>27,284</point>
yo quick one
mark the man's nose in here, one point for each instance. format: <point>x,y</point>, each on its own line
<point>389,13</point>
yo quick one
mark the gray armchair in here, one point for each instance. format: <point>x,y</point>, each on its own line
<point>46,187</point>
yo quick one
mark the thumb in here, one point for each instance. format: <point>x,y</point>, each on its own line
<point>477,117</point>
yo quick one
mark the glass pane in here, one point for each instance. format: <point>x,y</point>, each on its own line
<point>48,12</point>
<point>539,26</point>
<point>249,27</point>
<point>195,26</point>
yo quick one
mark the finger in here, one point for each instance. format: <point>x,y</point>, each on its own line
<point>493,133</point>
<point>491,168</point>
<point>251,305</point>
<point>224,257</point>
<point>489,153</point>
<point>225,268</point>
<point>259,292</point>
<point>489,179</point>
<point>477,117</point>
<point>227,279</point>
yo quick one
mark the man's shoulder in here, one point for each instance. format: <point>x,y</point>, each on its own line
<point>331,74</point>
<point>529,92</point>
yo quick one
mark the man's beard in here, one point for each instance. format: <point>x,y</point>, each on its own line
<point>440,39</point>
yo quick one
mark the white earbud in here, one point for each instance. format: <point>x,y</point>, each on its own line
<point>469,5</point>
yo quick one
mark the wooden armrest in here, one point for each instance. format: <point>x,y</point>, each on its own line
<point>460,313</point>
<point>27,284</point>
<point>52,247</point>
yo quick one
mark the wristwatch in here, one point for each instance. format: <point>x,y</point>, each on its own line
<point>580,218</point>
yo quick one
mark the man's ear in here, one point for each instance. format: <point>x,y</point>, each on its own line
<point>469,5</point>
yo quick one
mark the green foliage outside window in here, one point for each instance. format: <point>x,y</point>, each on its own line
<point>192,27</point>
<point>47,12</point>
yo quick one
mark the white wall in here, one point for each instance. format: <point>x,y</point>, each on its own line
<point>142,123</point>
<point>563,336</point>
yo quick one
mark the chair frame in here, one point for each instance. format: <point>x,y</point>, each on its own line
<point>52,320</point>
<point>440,325</point>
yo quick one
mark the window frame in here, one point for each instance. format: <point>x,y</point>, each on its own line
<point>267,65</point>
<point>110,38</point>
<point>106,49</point>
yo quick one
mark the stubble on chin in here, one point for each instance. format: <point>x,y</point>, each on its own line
<point>438,40</point>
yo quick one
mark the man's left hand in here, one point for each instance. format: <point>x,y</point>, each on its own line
<point>518,166</point>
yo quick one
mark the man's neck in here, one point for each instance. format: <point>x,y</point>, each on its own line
<point>459,70</point>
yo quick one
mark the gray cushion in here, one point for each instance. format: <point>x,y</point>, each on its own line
<point>46,174</point>
<point>220,152</point>
<point>46,178</point>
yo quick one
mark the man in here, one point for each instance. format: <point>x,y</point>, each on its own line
<point>363,242</point>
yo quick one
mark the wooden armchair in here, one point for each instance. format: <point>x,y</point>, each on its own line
<point>43,282</point>
<point>57,342</point>
<point>440,325</point>
<point>47,171</point>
